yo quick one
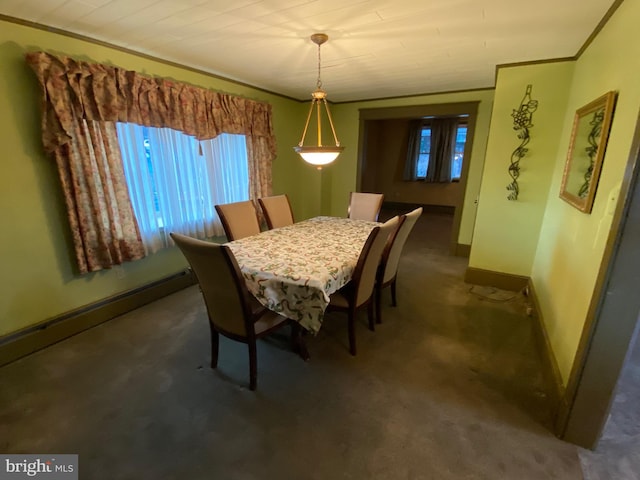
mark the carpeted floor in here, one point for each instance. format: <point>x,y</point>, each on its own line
<point>448,387</point>
<point>617,456</point>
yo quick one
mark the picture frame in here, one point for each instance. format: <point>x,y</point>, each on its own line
<point>587,147</point>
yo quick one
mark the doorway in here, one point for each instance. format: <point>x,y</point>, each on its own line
<point>612,321</point>
<point>382,154</point>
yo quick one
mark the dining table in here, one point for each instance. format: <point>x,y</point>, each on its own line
<point>293,270</point>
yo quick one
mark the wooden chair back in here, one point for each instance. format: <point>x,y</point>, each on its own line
<point>222,285</point>
<point>365,206</point>
<point>239,219</point>
<point>393,249</point>
<point>277,211</point>
<point>364,275</point>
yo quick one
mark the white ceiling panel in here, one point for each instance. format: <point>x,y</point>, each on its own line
<point>64,15</point>
<point>376,48</point>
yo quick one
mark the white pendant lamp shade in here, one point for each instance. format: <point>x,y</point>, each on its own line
<point>319,155</point>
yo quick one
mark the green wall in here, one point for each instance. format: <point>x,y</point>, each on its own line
<point>39,280</point>
<point>506,232</point>
<point>341,177</point>
<point>572,243</point>
<point>539,235</point>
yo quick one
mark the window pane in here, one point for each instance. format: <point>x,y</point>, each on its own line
<point>175,181</point>
<point>458,154</point>
<point>422,165</point>
<point>147,154</point>
<point>425,149</point>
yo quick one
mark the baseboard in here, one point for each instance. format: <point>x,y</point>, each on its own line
<point>562,419</point>
<point>445,209</point>
<point>36,337</point>
<point>551,371</point>
<point>504,281</point>
<point>462,250</point>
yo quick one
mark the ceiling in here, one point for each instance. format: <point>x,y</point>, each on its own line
<point>376,48</point>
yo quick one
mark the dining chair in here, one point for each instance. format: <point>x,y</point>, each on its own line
<point>232,310</point>
<point>239,219</point>
<point>365,206</point>
<point>277,210</point>
<point>358,293</point>
<point>388,271</point>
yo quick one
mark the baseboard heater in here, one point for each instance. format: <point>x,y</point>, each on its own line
<point>36,337</point>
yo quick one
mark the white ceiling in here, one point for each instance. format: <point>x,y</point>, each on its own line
<point>376,48</point>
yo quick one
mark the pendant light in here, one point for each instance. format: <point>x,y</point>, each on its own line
<point>319,154</point>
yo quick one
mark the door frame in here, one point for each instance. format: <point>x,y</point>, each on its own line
<point>418,111</point>
<point>611,326</point>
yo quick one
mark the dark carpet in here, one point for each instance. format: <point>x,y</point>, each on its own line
<point>448,387</point>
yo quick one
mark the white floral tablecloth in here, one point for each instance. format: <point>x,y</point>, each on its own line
<point>293,270</point>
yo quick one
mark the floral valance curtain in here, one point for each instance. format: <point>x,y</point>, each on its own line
<point>105,93</point>
<point>81,98</point>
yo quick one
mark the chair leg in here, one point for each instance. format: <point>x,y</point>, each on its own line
<point>298,344</point>
<point>295,333</point>
<point>215,344</point>
<point>378,293</point>
<point>352,331</point>
<point>393,293</point>
<point>372,323</point>
<point>253,365</point>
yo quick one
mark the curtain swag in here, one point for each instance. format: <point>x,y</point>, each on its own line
<point>104,93</point>
<point>82,100</point>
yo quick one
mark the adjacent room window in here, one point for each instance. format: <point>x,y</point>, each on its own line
<point>423,155</point>
<point>174,188</point>
<point>436,149</point>
<point>458,153</point>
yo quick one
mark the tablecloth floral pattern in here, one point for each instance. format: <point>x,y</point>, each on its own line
<point>292,270</point>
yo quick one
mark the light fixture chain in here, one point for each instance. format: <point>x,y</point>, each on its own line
<point>319,82</point>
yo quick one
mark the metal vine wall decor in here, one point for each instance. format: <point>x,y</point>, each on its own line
<point>592,149</point>
<point>522,122</point>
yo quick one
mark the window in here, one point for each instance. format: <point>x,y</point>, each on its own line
<point>174,188</point>
<point>441,140</point>
<point>458,151</point>
<point>425,150</point>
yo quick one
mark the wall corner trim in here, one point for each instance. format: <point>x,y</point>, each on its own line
<point>551,371</point>
<point>36,337</point>
<point>462,250</point>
